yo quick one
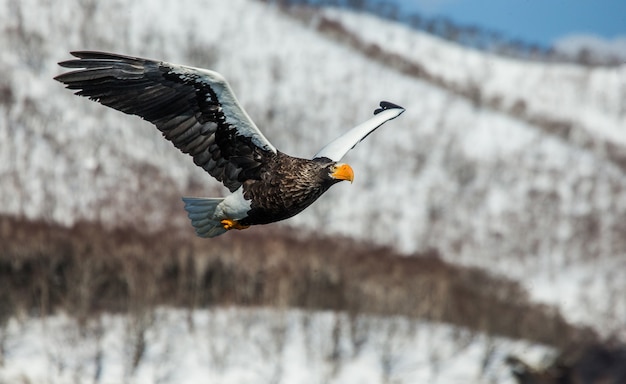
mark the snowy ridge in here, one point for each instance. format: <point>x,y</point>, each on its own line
<point>480,186</point>
<point>590,97</point>
<point>233,345</point>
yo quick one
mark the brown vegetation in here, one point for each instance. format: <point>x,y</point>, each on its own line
<point>87,269</point>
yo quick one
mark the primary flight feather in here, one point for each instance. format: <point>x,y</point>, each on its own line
<point>198,112</point>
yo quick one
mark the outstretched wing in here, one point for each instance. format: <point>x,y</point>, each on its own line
<point>194,108</point>
<point>338,148</point>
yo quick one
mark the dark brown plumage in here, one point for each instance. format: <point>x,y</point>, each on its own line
<point>287,186</point>
<point>197,111</point>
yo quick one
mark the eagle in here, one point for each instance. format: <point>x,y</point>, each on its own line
<point>198,112</point>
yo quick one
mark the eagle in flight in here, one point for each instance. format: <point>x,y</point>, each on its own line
<point>198,112</point>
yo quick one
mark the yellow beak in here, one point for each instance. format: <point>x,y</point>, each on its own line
<point>343,172</point>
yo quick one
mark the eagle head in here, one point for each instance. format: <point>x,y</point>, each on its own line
<point>339,172</point>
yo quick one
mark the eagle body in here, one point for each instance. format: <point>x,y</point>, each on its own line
<point>198,112</point>
<point>289,186</point>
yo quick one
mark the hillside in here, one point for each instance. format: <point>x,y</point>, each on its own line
<point>241,345</point>
<point>512,173</point>
<point>514,167</point>
<point>85,304</point>
<point>480,179</point>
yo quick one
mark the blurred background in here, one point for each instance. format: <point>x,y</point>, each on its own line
<point>483,240</point>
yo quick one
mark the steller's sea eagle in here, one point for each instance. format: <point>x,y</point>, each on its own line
<point>198,112</point>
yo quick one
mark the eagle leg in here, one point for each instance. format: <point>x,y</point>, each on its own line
<point>232,224</point>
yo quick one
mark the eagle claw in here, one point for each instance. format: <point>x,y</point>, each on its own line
<point>232,224</point>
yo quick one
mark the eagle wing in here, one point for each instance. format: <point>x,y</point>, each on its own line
<point>193,108</point>
<point>338,148</point>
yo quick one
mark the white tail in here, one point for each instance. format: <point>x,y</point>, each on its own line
<point>201,212</point>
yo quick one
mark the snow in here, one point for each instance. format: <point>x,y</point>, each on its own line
<point>238,345</point>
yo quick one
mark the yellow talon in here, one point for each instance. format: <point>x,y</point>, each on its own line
<point>232,224</point>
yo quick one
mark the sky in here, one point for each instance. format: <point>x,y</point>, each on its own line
<point>534,21</point>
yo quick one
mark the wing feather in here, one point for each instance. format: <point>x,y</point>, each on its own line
<point>194,108</point>
<point>338,148</point>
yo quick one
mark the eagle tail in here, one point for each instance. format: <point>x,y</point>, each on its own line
<point>201,212</point>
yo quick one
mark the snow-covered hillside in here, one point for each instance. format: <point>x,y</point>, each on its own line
<point>481,185</point>
<point>592,99</point>
<point>233,345</point>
